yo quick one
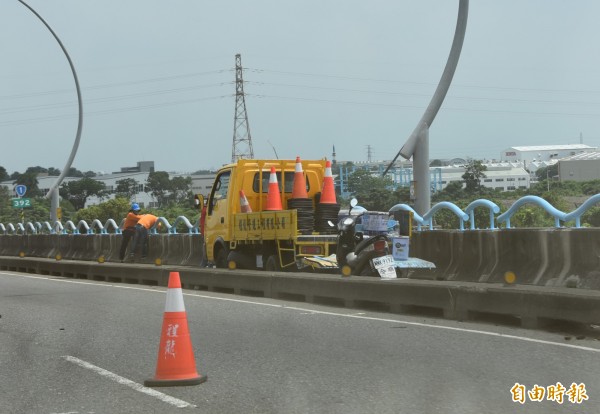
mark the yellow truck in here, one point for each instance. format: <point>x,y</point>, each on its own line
<point>261,239</point>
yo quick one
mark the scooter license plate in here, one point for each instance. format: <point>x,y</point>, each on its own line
<point>385,266</point>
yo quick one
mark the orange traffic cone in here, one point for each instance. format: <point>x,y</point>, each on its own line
<point>176,364</point>
<point>273,197</point>
<point>244,205</point>
<point>328,192</point>
<point>299,190</point>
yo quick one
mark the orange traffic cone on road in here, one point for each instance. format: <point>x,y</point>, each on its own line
<point>273,197</point>
<point>176,364</point>
<point>244,205</point>
<point>299,189</point>
<point>328,191</point>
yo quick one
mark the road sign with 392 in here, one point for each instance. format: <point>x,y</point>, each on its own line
<point>21,203</point>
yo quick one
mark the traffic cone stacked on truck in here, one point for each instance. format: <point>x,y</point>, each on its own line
<point>327,209</point>
<point>244,205</point>
<point>299,189</point>
<point>328,191</point>
<point>300,201</point>
<point>273,196</point>
<point>176,364</point>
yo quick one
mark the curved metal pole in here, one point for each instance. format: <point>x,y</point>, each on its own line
<point>408,148</point>
<point>53,193</point>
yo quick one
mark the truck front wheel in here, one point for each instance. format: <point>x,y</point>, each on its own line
<point>221,259</point>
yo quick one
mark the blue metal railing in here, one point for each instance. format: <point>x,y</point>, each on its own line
<point>468,214</point>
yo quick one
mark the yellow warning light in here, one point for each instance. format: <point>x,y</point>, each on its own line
<point>21,254</point>
<point>510,277</point>
<point>158,261</point>
<point>58,257</point>
<point>101,259</point>
<point>346,270</point>
<point>232,265</point>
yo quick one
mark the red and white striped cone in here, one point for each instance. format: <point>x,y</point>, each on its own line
<point>328,192</point>
<point>176,364</point>
<point>299,189</point>
<point>273,196</point>
<point>244,205</point>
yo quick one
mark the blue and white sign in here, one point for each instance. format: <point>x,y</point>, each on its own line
<point>20,190</point>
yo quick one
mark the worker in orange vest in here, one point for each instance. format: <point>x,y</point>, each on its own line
<point>129,228</point>
<point>144,224</point>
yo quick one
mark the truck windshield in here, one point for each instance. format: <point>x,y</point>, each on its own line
<point>219,190</point>
<point>289,181</point>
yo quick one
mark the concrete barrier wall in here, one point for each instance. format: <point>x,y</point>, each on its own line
<point>541,257</point>
<point>527,306</point>
<point>178,249</point>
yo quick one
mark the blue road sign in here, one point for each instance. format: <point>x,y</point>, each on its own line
<point>20,190</point>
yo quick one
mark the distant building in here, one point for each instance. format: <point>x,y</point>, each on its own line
<point>503,176</point>
<point>580,167</point>
<point>539,153</point>
<point>201,184</point>
<point>142,166</point>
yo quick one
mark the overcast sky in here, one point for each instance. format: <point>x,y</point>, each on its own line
<point>158,79</point>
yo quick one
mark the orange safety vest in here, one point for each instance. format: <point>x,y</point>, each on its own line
<point>147,220</point>
<point>131,220</point>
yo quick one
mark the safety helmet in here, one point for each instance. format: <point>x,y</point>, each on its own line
<point>135,207</point>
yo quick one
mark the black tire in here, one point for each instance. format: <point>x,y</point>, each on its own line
<point>221,258</point>
<point>242,260</point>
<point>364,268</point>
<point>272,264</point>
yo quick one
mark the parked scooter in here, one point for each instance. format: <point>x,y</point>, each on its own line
<point>358,254</point>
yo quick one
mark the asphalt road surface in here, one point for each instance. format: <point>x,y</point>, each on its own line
<point>76,346</point>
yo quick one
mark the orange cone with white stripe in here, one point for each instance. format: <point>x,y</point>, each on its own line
<point>176,364</point>
<point>299,190</point>
<point>328,191</point>
<point>244,205</point>
<point>273,197</point>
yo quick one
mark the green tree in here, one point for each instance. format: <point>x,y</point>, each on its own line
<point>452,192</point>
<point>3,174</point>
<point>591,217</point>
<point>54,172</point>
<point>74,172</point>
<point>36,170</point>
<point>159,185</point>
<point>474,172</point>
<point>29,179</point>
<point>127,188</point>
<point>548,172</point>
<point>78,191</point>
<point>115,209</point>
<point>373,192</point>
<point>590,187</point>
<point>531,216</point>
<point>181,190</point>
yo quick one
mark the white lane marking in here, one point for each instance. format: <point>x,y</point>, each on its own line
<point>131,384</point>
<point>451,328</point>
<point>356,316</point>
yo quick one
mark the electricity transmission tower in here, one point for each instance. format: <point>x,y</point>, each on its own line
<point>242,141</point>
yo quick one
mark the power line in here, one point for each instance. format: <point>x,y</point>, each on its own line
<point>422,95</point>
<point>111,111</point>
<point>111,98</point>
<point>116,84</point>
<point>501,88</point>
<point>446,108</point>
